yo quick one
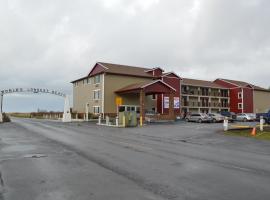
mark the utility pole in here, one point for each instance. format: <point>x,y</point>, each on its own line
<point>1,107</point>
<point>1,102</point>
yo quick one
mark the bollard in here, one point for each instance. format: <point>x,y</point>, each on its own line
<point>117,121</point>
<point>141,121</point>
<point>1,118</point>
<point>124,121</point>
<point>261,123</point>
<point>225,124</point>
<point>99,119</point>
<point>107,120</point>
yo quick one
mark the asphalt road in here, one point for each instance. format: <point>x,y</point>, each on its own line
<point>41,160</point>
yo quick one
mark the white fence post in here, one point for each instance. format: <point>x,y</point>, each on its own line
<point>261,123</point>
<point>117,121</point>
<point>99,119</point>
<point>86,111</point>
<point>225,124</point>
<point>66,114</point>
<point>107,120</point>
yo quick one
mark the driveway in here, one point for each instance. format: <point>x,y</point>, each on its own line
<point>51,160</point>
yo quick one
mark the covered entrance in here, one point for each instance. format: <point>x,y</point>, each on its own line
<point>154,87</point>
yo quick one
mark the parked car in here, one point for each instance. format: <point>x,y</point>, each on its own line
<point>245,117</point>
<point>231,115</point>
<point>199,117</point>
<point>252,116</point>
<point>266,116</point>
<point>216,117</point>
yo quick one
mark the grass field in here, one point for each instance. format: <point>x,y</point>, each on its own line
<point>21,115</point>
<point>265,135</point>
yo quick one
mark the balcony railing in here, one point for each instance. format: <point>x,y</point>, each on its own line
<point>209,94</point>
<point>206,104</point>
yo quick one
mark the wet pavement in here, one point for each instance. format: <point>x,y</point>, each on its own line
<point>80,161</point>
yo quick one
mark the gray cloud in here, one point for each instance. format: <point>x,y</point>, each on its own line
<point>48,43</point>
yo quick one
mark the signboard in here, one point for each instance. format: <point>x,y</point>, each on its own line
<point>32,90</point>
<point>167,102</point>
<point>118,101</point>
<point>176,102</point>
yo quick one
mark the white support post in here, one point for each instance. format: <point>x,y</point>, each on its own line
<point>86,111</point>
<point>226,124</point>
<point>99,119</point>
<point>66,114</point>
<point>107,120</point>
<point>117,121</point>
<point>261,123</point>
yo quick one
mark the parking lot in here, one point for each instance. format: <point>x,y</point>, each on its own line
<point>51,160</point>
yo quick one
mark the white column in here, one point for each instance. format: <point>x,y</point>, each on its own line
<point>225,124</point>
<point>86,111</point>
<point>117,121</point>
<point>261,123</point>
<point>66,114</point>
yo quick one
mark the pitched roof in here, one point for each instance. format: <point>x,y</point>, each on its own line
<point>168,73</point>
<point>125,69</point>
<point>203,83</point>
<point>244,84</point>
<point>141,85</point>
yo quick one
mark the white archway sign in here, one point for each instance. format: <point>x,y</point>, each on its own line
<point>66,114</point>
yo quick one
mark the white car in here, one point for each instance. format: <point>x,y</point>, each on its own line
<point>199,117</point>
<point>245,117</point>
<point>216,117</point>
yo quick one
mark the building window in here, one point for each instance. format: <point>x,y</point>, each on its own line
<point>97,79</point>
<point>88,81</point>
<point>96,94</point>
<point>76,84</point>
<point>239,95</point>
<point>96,109</point>
<point>240,106</point>
<point>154,97</point>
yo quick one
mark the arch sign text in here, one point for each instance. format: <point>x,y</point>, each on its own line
<point>32,90</point>
<point>66,114</point>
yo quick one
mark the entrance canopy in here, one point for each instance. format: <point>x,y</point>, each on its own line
<point>149,87</point>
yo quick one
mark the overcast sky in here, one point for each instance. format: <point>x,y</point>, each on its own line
<point>48,43</point>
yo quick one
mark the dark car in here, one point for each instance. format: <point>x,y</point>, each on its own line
<point>231,115</point>
<point>265,116</point>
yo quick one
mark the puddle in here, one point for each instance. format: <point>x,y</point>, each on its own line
<point>35,156</point>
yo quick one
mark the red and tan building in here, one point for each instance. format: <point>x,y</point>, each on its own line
<point>200,96</point>
<point>110,88</point>
<point>246,97</point>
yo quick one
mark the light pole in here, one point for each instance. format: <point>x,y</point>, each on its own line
<point>1,108</point>
<point>1,99</point>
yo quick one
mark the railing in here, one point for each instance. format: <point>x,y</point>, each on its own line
<point>208,94</point>
<point>206,104</point>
